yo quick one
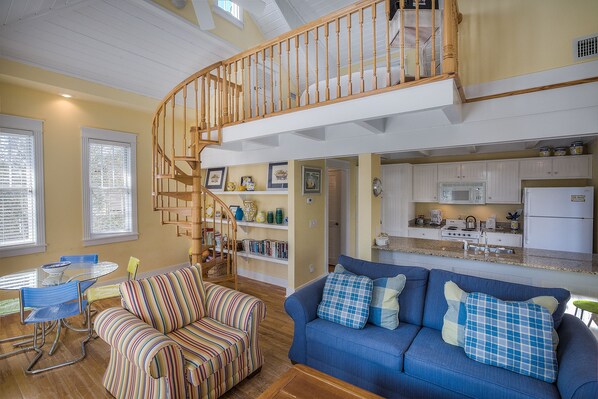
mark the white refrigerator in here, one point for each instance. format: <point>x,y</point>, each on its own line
<point>559,218</point>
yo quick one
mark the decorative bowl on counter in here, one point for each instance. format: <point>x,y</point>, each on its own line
<point>560,151</point>
<point>55,268</point>
<point>382,240</point>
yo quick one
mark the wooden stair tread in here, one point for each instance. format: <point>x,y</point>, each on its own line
<point>184,195</point>
<point>206,266</point>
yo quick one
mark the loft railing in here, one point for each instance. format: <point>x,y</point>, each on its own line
<point>366,48</point>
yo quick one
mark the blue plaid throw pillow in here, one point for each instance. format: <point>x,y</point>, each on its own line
<point>346,300</point>
<point>384,309</point>
<point>516,336</point>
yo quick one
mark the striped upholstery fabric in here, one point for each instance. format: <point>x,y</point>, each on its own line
<point>166,302</point>
<point>208,346</point>
<point>222,348</point>
<point>156,360</point>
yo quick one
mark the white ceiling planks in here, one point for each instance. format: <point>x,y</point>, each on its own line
<point>133,45</point>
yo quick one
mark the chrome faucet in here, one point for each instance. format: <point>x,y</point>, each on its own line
<point>485,235</point>
<point>465,245</point>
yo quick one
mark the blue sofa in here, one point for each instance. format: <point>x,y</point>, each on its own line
<point>414,362</point>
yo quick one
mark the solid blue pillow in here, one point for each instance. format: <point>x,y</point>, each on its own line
<point>346,300</point>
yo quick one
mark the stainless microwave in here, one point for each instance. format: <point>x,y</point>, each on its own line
<point>462,193</point>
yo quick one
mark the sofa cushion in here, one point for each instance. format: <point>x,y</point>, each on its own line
<point>346,300</point>
<point>341,346</point>
<point>384,308</point>
<point>516,336</point>
<point>436,306</point>
<point>167,301</point>
<point>430,359</point>
<point>411,300</point>
<point>455,318</point>
<point>208,346</point>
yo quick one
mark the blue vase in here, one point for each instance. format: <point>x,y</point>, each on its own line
<point>239,214</point>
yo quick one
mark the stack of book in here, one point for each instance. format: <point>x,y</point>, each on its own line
<point>271,248</point>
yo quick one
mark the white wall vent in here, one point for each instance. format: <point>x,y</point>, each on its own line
<point>585,47</point>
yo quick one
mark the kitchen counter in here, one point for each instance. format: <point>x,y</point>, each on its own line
<point>528,258</point>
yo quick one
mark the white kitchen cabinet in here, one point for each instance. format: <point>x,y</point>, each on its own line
<point>422,232</point>
<point>503,185</point>
<point>397,208</point>
<point>504,239</point>
<point>425,183</point>
<point>463,171</point>
<point>573,166</point>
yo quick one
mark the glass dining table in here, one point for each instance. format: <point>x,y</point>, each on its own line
<point>38,278</point>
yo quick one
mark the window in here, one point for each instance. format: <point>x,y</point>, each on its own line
<point>22,228</point>
<point>231,9</point>
<point>109,186</point>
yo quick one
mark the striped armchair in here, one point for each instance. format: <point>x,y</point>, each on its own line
<point>176,337</point>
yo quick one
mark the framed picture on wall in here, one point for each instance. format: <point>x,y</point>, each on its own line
<point>311,181</point>
<point>215,178</point>
<point>278,175</point>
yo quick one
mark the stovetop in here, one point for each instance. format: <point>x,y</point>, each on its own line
<point>456,228</point>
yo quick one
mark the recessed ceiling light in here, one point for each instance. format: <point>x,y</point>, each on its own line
<point>66,95</point>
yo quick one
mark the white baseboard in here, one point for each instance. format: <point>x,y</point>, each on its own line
<point>264,278</point>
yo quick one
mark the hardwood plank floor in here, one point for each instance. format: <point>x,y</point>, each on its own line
<point>84,379</point>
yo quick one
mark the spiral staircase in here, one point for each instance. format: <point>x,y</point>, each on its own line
<point>187,121</point>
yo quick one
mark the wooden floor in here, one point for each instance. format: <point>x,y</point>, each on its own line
<point>84,379</point>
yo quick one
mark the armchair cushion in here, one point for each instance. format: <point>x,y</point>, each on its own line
<point>209,346</point>
<point>168,301</point>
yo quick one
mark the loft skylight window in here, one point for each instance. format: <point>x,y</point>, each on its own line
<point>231,9</point>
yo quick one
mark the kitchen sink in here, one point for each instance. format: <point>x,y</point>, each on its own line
<point>493,250</point>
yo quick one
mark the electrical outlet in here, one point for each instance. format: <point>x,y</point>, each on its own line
<point>311,268</point>
<point>310,200</point>
<point>313,223</point>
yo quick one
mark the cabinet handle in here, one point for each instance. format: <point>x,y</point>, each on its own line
<point>489,197</point>
<point>556,173</point>
<point>549,172</point>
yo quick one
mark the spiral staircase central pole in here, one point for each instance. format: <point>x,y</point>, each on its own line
<point>196,214</point>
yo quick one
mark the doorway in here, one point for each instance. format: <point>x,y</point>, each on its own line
<point>338,210</point>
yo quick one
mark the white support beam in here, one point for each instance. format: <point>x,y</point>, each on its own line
<point>472,149</point>
<point>203,12</point>
<point>453,113</point>
<point>317,134</point>
<point>375,126</point>
<point>232,146</point>
<point>425,153</point>
<point>261,143</point>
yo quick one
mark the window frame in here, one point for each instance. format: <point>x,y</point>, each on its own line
<point>34,126</point>
<point>88,135</point>
<point>229,16</point>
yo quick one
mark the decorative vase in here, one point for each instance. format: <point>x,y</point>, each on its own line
<point>514,224</point>
<point>239,214</point>
<point>270,217</point>
<point>250,210</point>
<point>278,215</point>
<point>261,217</point>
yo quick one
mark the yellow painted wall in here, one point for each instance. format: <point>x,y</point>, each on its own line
<point>502,39</point>
<point>368,213</point>
<point>157,246</point>
<point>245,38</point>
<point>309,244</point>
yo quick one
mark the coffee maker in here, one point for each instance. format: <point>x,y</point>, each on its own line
<point>436,217</point>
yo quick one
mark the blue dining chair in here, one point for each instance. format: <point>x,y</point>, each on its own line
<point>88,258</point>
<point>52,304</point>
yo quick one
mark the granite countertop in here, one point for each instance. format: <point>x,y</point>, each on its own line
<point>534,258</point>
<point>501,227</point>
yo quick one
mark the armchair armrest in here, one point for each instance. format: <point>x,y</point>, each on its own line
<point>302,306</point>
<point>578,360</point>
<point>142,345</point>
<point>234,308</point>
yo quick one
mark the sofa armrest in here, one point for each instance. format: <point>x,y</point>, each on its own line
<point>578,360</point>
<point>142,345</point>
<point>302,306</point>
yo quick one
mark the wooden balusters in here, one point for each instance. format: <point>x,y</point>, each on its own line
<point>417,40</point>
<point>449,64</point>
<point>289,73</point>
<point>338,58</point>
<point>433,61</point>
<point>208,98</point>
<point>279,76</point>
<point>387,42</point>
<point>306,68</point>
<point>245,90</point>
<point>374,45</point>
<point>317,99</point>
<point>350,78</point>
<point>297,92</point>
<point>172,147</point>
<point>272,79</point>
<point>257,85</point>
<point>361,81</point>
<point>402,40</point>
<point>326,33</point>
<point>264,81</point>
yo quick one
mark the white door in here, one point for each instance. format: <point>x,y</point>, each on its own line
<point>335,182</point>
<point>558,234</point>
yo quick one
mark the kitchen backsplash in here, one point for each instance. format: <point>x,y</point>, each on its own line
<point>480,212</point>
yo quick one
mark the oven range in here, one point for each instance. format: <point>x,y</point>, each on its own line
<point>455,230</point>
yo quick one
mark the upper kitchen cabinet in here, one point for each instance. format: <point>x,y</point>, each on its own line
<point>466,171</point>
<point>502,183</point>
<point>574,166</point>
<point>425,183</point>
<point>397,208</point>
